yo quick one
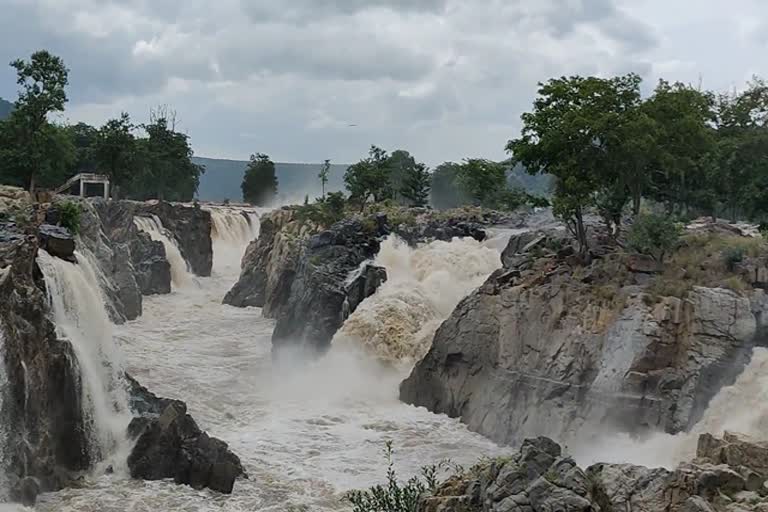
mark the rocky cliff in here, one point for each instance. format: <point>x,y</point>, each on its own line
<point>547,346</point>
<point>727,475</point>
<point>312,279</point>
<point>44,444</point>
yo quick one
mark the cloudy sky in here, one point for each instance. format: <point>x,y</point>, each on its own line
<point>444,79</point>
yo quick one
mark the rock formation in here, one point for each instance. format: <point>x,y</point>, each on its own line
<point>311,280</point>
<point>169,444</point>
<point>547,345</point>
<point>728,475</point>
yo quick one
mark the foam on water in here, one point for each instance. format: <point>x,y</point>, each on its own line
<point>306,431</point>
<point>423,286</point>
<point>153,226</point>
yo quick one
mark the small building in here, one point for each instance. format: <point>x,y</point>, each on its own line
<point>86,185</point>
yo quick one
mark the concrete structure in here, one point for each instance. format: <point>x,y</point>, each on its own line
<point>86,185</point>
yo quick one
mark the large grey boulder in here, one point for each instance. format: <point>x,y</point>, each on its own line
<point>57,241</point>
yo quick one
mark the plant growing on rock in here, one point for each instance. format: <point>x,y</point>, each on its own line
<point>69,213</point>
<point>654,235</point>
<point>394,496</point>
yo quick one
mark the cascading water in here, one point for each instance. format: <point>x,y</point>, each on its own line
<point>154,227</point>
<point>423,286</point>
<point>232,230</point>
<point>81,318</point>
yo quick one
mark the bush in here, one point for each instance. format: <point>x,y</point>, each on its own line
<point>323,212</point>
<point>732,256</point>
<point>394,496</point>
<point>653,235</point>
<point>69,216</point>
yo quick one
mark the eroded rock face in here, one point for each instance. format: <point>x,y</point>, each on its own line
<point>169,444</point>
<point>544,347</point>
<point>40,410</point>
<point>540,478</point>
<point>191,226</point>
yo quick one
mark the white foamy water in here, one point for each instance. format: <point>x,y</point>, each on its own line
<point>306,432</point>
<point>153,226</point>
<point>232,229</point>
<point>424,285</point>
<point>81,318</point>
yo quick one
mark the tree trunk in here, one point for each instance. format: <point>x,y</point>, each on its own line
<point>32,186</point>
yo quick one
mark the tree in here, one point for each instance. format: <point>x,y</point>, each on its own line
<point>369,177</point>
<point>83,138</point>
<point>654,235</point>
<point>445,189</point>
<point>401,166</point>
<point>259,183</point>
<point>115,152</point>
<point>570,135</point>
<point>481,179</point>
<point>415,186</point>
<point>42,81</point>
<point>325,169</point>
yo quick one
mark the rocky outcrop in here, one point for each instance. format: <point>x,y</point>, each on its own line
<point>58,241</point>
<point>191,226</point>
<point>46,445</point>
<point>540,478</point>
<point>546,346</point>
<point>169,444</point>
<point>318,300</point>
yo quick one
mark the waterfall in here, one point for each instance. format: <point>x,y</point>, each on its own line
<point>154,227</point>
<point>232,230</point>
<point>423,286</point>
<point>80,318</point>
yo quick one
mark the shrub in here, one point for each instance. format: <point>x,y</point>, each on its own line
<point>69,216</point>
<point>394,496</point>
<point>323,212</point>
<point>654,235</point>
<point>732,256</point>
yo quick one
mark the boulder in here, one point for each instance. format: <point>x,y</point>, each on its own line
<point>169,444</point>
<point>57,241</point>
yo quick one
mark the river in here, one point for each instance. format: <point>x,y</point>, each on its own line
<point>306,431</point>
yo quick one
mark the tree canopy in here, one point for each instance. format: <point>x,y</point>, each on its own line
<point>259,183</point>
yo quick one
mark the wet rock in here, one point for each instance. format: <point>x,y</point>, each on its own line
<point>57,241</point>
<point>363,285</point>
<point>169,444</point>
<point>191,226</point>
<point>26,491</point>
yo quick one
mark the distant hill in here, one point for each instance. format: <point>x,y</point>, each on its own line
<point>6,107</point>
<point>222,180</point>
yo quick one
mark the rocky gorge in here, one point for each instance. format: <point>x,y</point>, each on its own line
<point>56,390</point>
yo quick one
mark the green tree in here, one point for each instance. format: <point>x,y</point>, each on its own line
<point>481,179</point>
<point>115,153</point>
<point>42,81</point>
<point>445,189</point>
<point>570,135</point>
<point>369,178</point>
<point>415,186</point>
<point>325,169</point>
<point>83,138</point>
<point>401,166</point>
<point>259,183</point>
<point>654,235</point>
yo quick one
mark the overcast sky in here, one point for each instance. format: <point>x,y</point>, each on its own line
<point>444,79</point>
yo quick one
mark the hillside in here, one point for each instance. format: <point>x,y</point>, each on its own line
<point>222,179</point>
<point>5,108</point>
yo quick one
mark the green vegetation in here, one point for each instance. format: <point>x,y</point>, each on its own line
<point>323,175</point>
<point>323,212</point>
<point>259,183</point>
<point>35,152</point>
<point>394,496</point>
<point>69,212</point>
<point>654,235</point>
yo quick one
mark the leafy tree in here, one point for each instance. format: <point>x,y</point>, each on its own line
<point>400,168</point>
<point>654,235</point>
<point>369,178</point>
<point>115,153</point>
<point>165,167</point>
<point>415,186</point>
<point>570,135</point>
<point>42,81</point>
<point>323,175</point>
<point>50,146</point>
<point>481,179</point>
<point>445,189</point>
<point>83,138</point>
<point>259,183</point>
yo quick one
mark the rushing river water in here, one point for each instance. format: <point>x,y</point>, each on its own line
<point>306,431</point>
